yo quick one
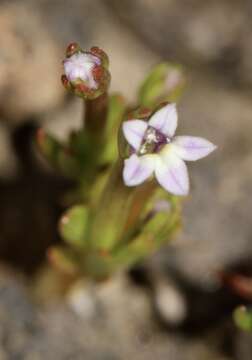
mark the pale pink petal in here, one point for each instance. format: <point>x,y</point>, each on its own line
<point>192,148</point>
<point>133,131</point>
<point>79,66</point>
<point>138,169</point>
<point>172,175</point>
<point>165,120</point>
<point>72,72</point>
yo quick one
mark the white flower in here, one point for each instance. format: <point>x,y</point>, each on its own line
<point>80,66</point>
<point>157,151</point>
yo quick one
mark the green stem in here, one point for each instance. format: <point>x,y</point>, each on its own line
<point>110,214</point>
<point>95,117</point>
<point>118,211</point>
<point>92,141</point>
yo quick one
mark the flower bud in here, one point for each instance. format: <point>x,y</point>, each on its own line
<point>86,72</point>
<point>165,82</point>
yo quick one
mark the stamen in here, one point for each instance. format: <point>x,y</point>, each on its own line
<point>153,141</point>
<point>150,135</point>
<point>143,149</point>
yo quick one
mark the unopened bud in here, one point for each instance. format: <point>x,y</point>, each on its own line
<point>86,72</point>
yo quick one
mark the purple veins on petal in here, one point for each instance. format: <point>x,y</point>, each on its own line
<point>137,169</point>
<point>173,176</point>
<point>165,120</point>
<point>134,131</point>
<point>161,152</point>
<point>192,148</point>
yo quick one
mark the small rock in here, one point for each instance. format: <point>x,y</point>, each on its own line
<point>169,301</point>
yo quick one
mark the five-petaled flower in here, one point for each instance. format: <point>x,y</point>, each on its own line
<point>155,150</point>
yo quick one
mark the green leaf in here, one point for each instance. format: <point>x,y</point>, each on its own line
<point>243,318</point>
<point>165,82</point>
<point>48,146</point>
<point>73,226</point>
<point>129,254</point>
<point>116,110</point>
<point>57,154</point>
<point>165,224</point>
<point>115,115</point>
<point>156,231</point>
<point>68,164</point>
<point>63,260</point>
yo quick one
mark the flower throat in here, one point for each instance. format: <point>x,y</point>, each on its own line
<point>153,141</point>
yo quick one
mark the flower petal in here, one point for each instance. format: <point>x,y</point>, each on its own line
<point>165,120</point>
<point>133,131</point>
<point>192,148</point>
<point>138,169</point>
<point>171,173</point>
<point>72,72</point>
<point>79,66</point>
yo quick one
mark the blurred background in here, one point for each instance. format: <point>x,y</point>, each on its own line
<point>172,307</point>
